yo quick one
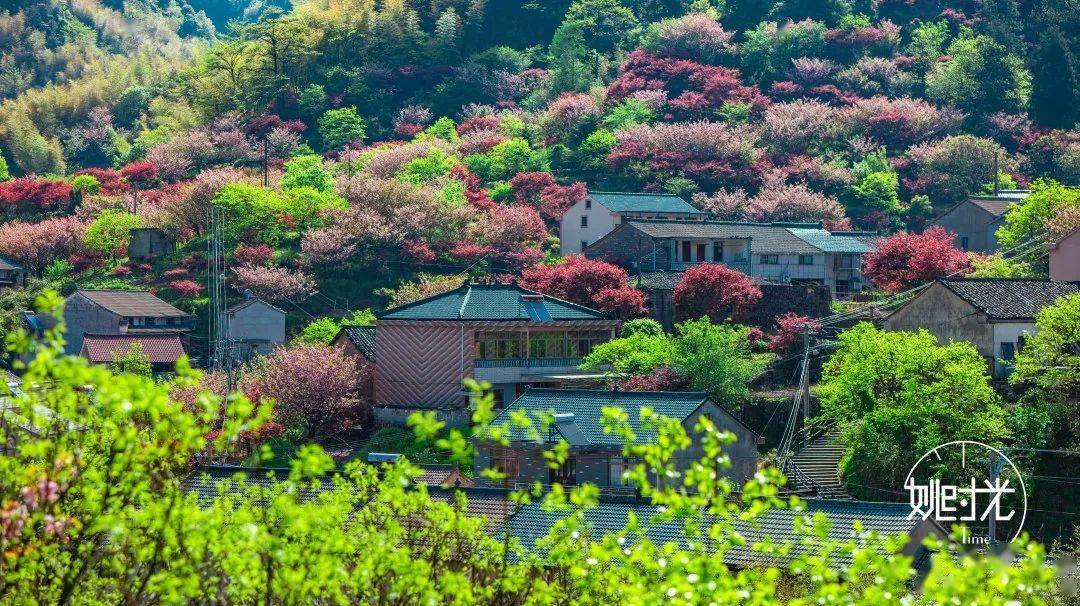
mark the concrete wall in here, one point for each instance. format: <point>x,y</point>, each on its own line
<point>82,316</point>
<point>1065,258</point>
<point>572,234</point>
<point>1008,332</point>
<point>148,243</point>
<point>259,325</point>
<point>948,317</point>
<point>968,220</point>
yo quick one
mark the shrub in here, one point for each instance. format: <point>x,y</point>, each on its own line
<point>595,284</point>
<point>904,259</point>
<point>714,290</point>
<point>110,231</point>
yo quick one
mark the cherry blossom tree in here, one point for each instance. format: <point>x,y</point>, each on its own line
<point>695,36</point>
<point>903,260</point>
<point>540,190</point>
<point>587,282</point>
<point>714,290</point>
<point>189,289</point>
<point>273,283</point>
<point>256,254</point>
<point>795,126</point>
<point>36,245</point>
<point>316,389</point>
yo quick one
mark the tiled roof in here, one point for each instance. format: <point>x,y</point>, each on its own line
<point>362,338</point>
<point>764,237</point>
<point>492,302</point>
<point>1009,298</point>
<point>249,302</point>
<point>840,242</point>
<point>587,407</point>
<point>10,265</point>
<point>531,522</point>
<point>994,206</point>
<point>160,348</point>
<point>130,303</point>
<point>643,202</point>
<point>443,475</point>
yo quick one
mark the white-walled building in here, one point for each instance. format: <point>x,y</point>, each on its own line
<point>601,212</point>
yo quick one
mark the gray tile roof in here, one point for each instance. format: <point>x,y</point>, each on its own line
<point>531,522</point>
<point>643,202</point>
<point>252,301</point>
<point>10,265</point>
<point>362,338</point>
<point>492,302</point>
<point>994,206</point>
<point>1009,298</point>
<point>129,303</point>
<point>840,242</point>
<point>587,407</point>
<point>764,237</point>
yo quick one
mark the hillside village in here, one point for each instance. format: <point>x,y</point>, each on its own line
<point>656,258</point>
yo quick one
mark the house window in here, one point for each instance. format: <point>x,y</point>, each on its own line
<point>717,252</point>
<point>619,466</point>
<point>686,252</point>
<point>845,261</point>
<point>700,253</point>
<point>806,259</point>
<point>770,259</point>
<point>963,243</point>
<point>843,286</point>
<point>588,203</point>
<point>1008,350</point>
<point>584,244</point>
<point>565,474</point>
<point>583,341</point>
<point>499,345</point>
<point>1021,341</point>
<point>584,220</point>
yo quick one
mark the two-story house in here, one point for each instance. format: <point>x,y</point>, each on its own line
<point>995,314</point>
<point>797,253</point>
<point>975,221</point>
<point>596,456</point>
<point>120,312</point>
<point>504,334</point>
<point>600,212</point>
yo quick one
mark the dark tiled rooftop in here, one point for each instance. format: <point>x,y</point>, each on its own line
<point>643,202</point>
<point>1009,298</point>
<point>130,303</point>
<point>497,302</point>
<point>362,338</point>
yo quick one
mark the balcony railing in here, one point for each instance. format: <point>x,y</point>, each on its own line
<point>526,362</point>
<point>741,266</point>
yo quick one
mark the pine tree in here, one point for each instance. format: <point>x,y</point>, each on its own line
<point>569,71</point>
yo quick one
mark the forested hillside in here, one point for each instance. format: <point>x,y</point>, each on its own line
<point>446,137</point>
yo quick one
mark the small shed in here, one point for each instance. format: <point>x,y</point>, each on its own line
<point>149,243</point>
<point>256,327</point>
<point>12,275</point>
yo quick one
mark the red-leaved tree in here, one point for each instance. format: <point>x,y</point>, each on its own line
<point>189,289</point>
<point>660,379</point>
<point>587,282</point>
<point>904,259</point>
<point>28,197</point>
<point>789,330</point>
<point>714,290</point>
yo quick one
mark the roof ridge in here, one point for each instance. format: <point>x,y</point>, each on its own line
<point>779,224</point>
<point>636,193</point>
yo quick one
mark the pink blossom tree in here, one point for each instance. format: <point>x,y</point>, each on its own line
<point>318,391</point>
<point>273,283</point>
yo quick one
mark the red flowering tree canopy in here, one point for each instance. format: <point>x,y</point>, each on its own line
<point>587,282</point>
<point>789,329</point>
<point>29,196</point>
<point>661,379</point>
<point>904,259</point>
<point>141,174</point>
<point>714,290</point>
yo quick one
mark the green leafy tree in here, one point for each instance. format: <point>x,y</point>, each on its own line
<point>307,171</point>
<point>876,184</point>
<point>1032,220</point>
<point>636,354</point>
<point>718,359</point>
<point>897,395</point>
<point>111,231</point>
<point>569,59</point>
<point>338,127</point>
<point>594,150</point>
<point>981,77</point>
<point>627,113</point>
<point>606,22</point>
<point>5,174</point>
<point>1055,100</point>
<point>646,326</point>
<point>134,361</point>
<point>312,103</point>
<point>1048,366</point>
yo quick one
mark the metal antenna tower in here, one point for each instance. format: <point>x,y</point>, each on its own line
<point>220,346</point>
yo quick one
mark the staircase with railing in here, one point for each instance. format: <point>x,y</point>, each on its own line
<point>815,467</point>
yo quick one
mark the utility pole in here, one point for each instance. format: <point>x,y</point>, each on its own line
<point>220,346</point>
